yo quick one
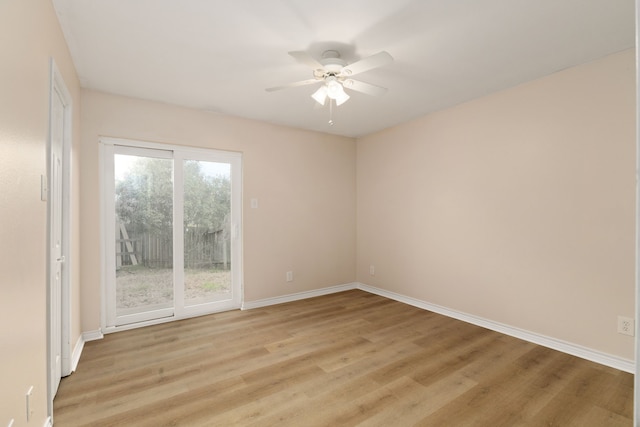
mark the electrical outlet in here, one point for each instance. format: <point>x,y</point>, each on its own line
<point>289,276</point>
<point>626,326</point>
<point>372,270</point>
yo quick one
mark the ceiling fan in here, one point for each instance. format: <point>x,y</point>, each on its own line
<point>335,74</point>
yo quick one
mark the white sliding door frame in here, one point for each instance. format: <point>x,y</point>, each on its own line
<point>111,146</point>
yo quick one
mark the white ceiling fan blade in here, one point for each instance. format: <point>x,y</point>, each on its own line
<point>295,84</point>
<point>363,87</point>
<point>306,59</point>
<point>368,63</point>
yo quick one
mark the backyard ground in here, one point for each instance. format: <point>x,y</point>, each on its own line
<point>138,286</point>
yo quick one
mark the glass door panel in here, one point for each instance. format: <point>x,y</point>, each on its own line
<point>144,236</point>
<point>207,232</point>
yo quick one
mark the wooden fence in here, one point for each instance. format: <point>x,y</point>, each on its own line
<point>203,248</point>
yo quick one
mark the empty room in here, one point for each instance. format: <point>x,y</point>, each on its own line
<point>280,212</point>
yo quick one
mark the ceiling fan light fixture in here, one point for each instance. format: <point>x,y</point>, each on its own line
<point>320,95</point>
<point>333,88</point>
<point>335,91</point>
<point>341,98</point>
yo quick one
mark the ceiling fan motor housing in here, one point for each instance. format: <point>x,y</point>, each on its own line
<point>332,62</point>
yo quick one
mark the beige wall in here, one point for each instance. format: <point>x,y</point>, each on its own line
<point>304,182</point>
<point>517,207</point>
<point>29,37</point>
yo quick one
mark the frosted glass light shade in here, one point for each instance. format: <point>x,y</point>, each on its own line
<point>341,97</point>
<point>320,95</point>
<point>332,89</point>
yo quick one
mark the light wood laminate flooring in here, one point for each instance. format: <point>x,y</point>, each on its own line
<point>345,359</point>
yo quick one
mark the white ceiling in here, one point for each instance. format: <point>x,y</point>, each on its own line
<point>220,55</point>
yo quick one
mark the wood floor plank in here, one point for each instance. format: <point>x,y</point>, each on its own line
<point>584,390</point>
<point>501,391</point>
<point>345,359</point>
<point>597,416</point>
<point>416,401</point>
<point>317,412</point>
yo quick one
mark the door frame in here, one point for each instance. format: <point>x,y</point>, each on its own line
<point>636,381</point>
<point>107,231</point>
<point>58,88</point>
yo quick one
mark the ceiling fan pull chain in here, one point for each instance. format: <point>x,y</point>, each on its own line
<point>330,112</point>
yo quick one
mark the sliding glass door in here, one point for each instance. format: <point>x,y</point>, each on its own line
<point>143,220</point>
<point>207,231</point>
<point>174,214</point>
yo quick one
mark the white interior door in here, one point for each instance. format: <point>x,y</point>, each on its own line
<point>57,258</point>
<point>56,241</point>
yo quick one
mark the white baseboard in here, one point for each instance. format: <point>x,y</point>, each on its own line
<point>247,305</point>
<point>92,335</point>
<point>77,351</point>
<point>553,343</point>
